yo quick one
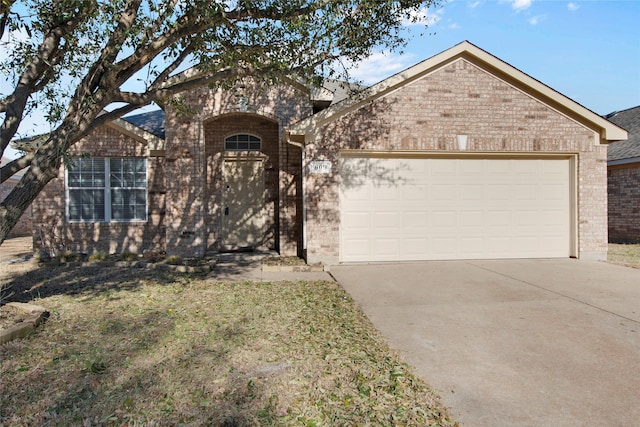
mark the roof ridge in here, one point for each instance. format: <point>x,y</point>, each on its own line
<point>613,113</point>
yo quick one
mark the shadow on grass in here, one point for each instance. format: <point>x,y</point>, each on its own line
<point>136,359</point>
<point>87,279</point>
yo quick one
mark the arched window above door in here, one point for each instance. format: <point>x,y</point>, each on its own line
<point>242,142</point>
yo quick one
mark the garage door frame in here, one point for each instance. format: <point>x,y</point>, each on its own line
<point>572,157</point>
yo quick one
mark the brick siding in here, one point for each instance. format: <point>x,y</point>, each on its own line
<point>184,191</point>
<point>52,233</point>
<point>194,151</point>
<point>624,203</point>
<point>426,115</point>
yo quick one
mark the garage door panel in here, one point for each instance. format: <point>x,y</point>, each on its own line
<point>443,193</point>
<point>357,193</point>
<point>471,169</point>
<point>526,219</point>
<point>554,192</point>
<point>444,247</point>
<point>530,169</point>
<point>358,249</point>
<point>500,245</point>
<point>387,194</point>
<point>386,220</point>
<point>556,169</point>
<point>356,220</point>
<point>472,192</point>
<point>414,220</point>
<point>390,248</point>
<point>416,193</point>
<point>439,169</point>
<point>473,245</point>
<point>414,249</point>
<point>528,192</point>
<point>472,219</point>
<point>443,220</point>
<point>500,170</point>
<point>498,192</point>
<point>436,208</point>
<point>499,218</point>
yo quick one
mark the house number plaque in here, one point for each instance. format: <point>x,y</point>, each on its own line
<point>320,166</point>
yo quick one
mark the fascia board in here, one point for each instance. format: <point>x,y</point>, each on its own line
<point>139,134</point>
<point>623,161</point>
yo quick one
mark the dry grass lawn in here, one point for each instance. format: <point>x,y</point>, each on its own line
<point>627,255</point>
<point>134,347</point>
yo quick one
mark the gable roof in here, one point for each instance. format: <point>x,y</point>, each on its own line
<point>152,122</point>
<point>626,151</point>
<point>303,131</point>
<point>330,92</point>
<point>145,127</point>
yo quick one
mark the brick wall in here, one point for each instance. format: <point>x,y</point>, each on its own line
<point>24,226</point>
<point>53,233</point>
<point>426,115</point>
<point>184,183</point>
<point>194,141</point>
<point>216,131</point>
<point>624,203</point>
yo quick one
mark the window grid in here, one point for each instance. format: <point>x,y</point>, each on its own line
<point>107,190</point>
<point>243,142</point>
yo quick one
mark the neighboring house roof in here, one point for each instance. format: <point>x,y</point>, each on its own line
<point>628,151</point>
<point>304,130</point>
<point>152,122</point>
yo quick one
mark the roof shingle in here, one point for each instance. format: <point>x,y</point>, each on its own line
<point>629,120</point>
<point>152,122</point>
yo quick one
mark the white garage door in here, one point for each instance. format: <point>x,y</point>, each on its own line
<point>395,209</point>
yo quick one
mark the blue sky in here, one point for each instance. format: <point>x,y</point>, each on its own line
<point>587,50</point>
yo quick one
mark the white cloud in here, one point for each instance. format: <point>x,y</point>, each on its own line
<point>454,26</point>
<point>535,20</point>
<point>573,6</point>
<point>474,4</point>
<point>423,16</point>
<point>379,66</point>
<point>521,4</point>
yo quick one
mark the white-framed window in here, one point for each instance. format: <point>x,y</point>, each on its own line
<point>242,142</point>
<point>108,189</point>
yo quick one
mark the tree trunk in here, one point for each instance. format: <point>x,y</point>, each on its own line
<point>44,168</point>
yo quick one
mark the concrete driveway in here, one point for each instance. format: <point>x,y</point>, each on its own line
<point>518,342</point>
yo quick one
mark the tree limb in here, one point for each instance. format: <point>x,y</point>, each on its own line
<point>39,65</point>
<point>15,166</point>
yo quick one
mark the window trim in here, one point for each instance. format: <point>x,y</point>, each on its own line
<point>107,189</point>
<point>236,135</point>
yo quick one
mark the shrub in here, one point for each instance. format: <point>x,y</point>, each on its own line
<point>98,256</point>
<point>128,256</point>
<point>69,256</point>
<point>174,260</point>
